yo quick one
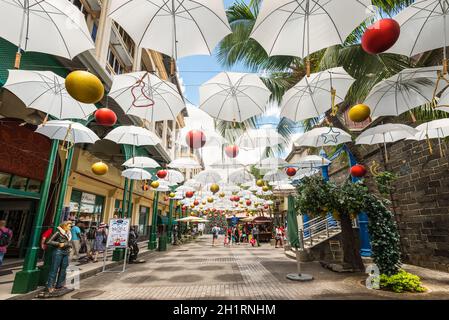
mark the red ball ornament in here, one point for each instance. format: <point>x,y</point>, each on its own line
<point>232,151</point>
<point>189,194</point>
<point>105,117</point>
<point>290,172</point>
<point>196,202</point>
<point>266,206</point>
<point>248,202</point>
<point>161,174</point>
<point>195,139</point>
<point>237,198</point>
<point>358,171</point>
<point>381,36</point>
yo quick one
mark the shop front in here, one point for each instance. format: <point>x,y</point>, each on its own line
<point>86,207</point>
<point>265,226</point>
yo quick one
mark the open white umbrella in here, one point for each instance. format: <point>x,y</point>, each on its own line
<point>45,91</point>
<point>184,188</point>
<point>174,177</point>
<point>208,177</point>
<point>270,163</point>
<point>227,163</point>
<point>436,129</point>
<point>275,176</point>
<point>49,26</point>
<point>132,135</point>
<point>315,95</point>
<point>404,91</point>
<point>260,138</point>
<point>301,27</point>
<point>241,176</point>
<point>136,174</point>
<point>184,163</point>
<point>386,133</point>
<point>67,131</point>
<point>325,136</point>
<point>234,97</point>
<point>177,28</point>
<point>141,162</point>
<point>312,161</point>
<point>146,96</point>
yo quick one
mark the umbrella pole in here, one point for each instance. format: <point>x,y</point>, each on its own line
<point>429,144</point>
<point>22,29</point>
<point>386,153</point>
<point>439,144</point>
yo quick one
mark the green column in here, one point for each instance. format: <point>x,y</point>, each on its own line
<point>152,244</point>
<point>170,218</point>
<point>27,279</point>
<point>125,191</point>
<point>130,200</point>
<point>119,253</point>
<point>44,270</point>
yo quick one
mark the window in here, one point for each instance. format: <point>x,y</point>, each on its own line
<point>34,186</point>
<point>114,64</point>
<point>4,179</point>
<point>86,206</point>
<point>19,183</point>
<point>128,42</point>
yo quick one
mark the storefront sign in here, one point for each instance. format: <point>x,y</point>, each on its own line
<point>118,233</point>
<point>88,198</point>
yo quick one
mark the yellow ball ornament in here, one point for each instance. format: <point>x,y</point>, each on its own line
<point>359,113</point>
<point>172,195</point>
<point>265,188</point>
<point>84,87</point>
<point>100,168</point>
<point>260,183</point>
<point>214,188</point>
<point>210,199</point>
<point>154,184</point>
<point>203,202</point>
<point>222,195</point>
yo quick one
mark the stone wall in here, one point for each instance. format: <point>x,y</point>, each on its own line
<point>420,198</point>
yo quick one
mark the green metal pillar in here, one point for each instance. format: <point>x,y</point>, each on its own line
<point>45,269</point>
<point>129,213</point>
<point>152,244</point>
<point>119,253</point>
<point>125,191</point>
<point>170,220</point>
<point>27,280</point>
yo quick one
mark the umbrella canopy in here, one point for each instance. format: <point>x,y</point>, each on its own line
<point>177,28</point>
<point>436,129</point>
<point>390,132</point>
<point>234,96</point>
<point>49,26</point>
<point>208,177</point>
<point>189,219</point>
<point>144,95</point>
<point>300,27</point>
<point>136,174</point>
<point>316,94</point>
<point>132,135</point>
<point>184,163</point>
<point>241,176</point>
<point>404,91</point>
<point>184,189</point>
<point>270,163</point>
<point>275,176</point>
<point>443,102</point>
<point>45,91</point>
<point>141,162</point>
<point>174,177</point>
<point>227,163</point>
<point>312,161</point>
<point>260,138</point>
<point>325,136</point>
<point>65,130</point>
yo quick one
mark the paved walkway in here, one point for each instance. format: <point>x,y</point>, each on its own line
<point>199,271</point>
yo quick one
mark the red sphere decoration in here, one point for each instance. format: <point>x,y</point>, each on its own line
<point>290,172</point>
<point>232,151</point>
<point>189,194</point>
<point>248,202</point>
<point>184,208</point>
<point>358,171</point>
<point>381,36</point>
<point>266,206</point>
<point>105,117</point>
<point>195,139</point>
<point>196,202</point>
<point>161,174</point>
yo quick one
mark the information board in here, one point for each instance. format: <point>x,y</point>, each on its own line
<point>118,233</point>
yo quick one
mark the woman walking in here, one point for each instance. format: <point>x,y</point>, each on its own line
<point>279,236</point>
<point>101,236</point>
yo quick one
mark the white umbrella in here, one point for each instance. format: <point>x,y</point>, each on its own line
<point>67,131</point>
<point>184,163</point>
<point>174,177</point>
<point>260,138</point>
<point>270,163</point>
<point>227,163</point>
<point>234,97</point>
<point>312,161</point>
<point>386,133</point>
<point>184,189</point>
<point>326,136</point>
<point>212,137</point>
<point>132,135</point>
<point>241,176</point>
<point>189,219</point>
<point>146,96</point>
<point>315,95</point>
<point>436,129</point>
<point>404,91</point>
<point>275,176</point>
<point>136,174</point>
<point>45,91</point>
<point>301,27</point>
<point>443,102</point>
<point>192,183</point>
<point>208,177</point>
<point>49,26</point>
<point>177,28</point>
<point>141,162</point>
<point>444,109</point>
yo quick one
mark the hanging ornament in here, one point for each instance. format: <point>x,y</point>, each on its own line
<point>358,171</point>
<point>214,188</point>
<point>84,87</point>
<point>154,184</point>
<point>248,202</point>
<point>265,188</point>
<point>195,139</point>
<point>210,199</point>
<point>161,174</point>
<point>192,206</point>
<point>189,194</point>
<point>100,168</point>
<point>196,202</point>
<point>232,151</point>
<point>381,36</point>
<point>105,117</point>
<point>260,183</point>
<point>359,113</point>
<point>222,195</point>
<point>290,172</point>
<point>172,195</point>
<point>266,207</point>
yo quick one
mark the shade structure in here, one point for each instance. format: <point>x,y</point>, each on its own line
<point>174,176</point>
<point>177,28</point>
<point>189,219</point>
<point>208,177</point>
<point>184,163</point>
<point>305,172</point>
<point>260,138</point>
<point>275,176</point>
<point>315,95</point>
<point>184,189</point>
<point>234,97</point>
<point>132,135</point>
<point>241,176</point>
<point>69,131</point>
<point>436,129</point>
<point>325,136</point>
<point>48,26</point>
<point>141,162</point>
<point>193,184</point>
<point>227,163</point>
<point>300,27</point>
<point>45,91</point>
<point>443,102</point>
<point>404,91</point>
<point>424,27</point>
<point>146,96</point>
<point>270,163</point>
<point>286,187</point>
<point>136,174</point>
<point>312,161</point>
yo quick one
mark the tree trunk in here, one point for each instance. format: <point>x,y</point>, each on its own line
<point>350,249</point>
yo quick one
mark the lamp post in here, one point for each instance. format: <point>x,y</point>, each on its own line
<point>152,244</point>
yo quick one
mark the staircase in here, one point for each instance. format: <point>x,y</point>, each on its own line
<point>318,230</point>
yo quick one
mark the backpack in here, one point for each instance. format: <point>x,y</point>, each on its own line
<point>5,239</point>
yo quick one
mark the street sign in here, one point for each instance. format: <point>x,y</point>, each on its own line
<point>118,233</point>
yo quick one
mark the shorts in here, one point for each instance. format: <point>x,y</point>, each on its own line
<point>215,236</point>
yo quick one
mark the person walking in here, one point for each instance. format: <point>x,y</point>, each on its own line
<point>99,244</point>
<point>279,236</point>
<point>61,242</point>
<point>5,239</point>
<point>76,241</point>
<point>255,233</point>
<point>215,231</point>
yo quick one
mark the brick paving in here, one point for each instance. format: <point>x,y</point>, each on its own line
<point>199,271</point>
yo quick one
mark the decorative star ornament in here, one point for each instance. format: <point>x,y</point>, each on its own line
<point>331,136</point>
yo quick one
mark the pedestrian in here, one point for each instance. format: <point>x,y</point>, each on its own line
<point>5,239</point>
<point>215,231</point>
<point>90,240</point>
<point>76,241</point>
<point>101,237</point>
<point>132,244</point>
<point>237,235</point>
<point>61,242</point>
<point>279,236</point>
<point>255,233</point>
